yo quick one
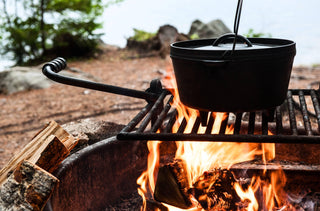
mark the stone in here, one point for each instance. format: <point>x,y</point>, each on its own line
<point>19,79</point>
<point>213,29</point>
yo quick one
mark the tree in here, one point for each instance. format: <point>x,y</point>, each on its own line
<point>35,29</point>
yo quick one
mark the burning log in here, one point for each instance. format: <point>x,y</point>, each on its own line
<point>28,188</point>
<point>154,205</point>
<point>172,185</point>
<point>213,190</point>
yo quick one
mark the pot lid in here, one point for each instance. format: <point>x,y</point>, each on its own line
<point>229,46</point>
<point>222,48</point>
<point>232,41</point>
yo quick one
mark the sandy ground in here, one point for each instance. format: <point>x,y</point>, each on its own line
<point>23,114</point>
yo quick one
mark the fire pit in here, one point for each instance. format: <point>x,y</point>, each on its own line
<point>99,175</point>
<point>262,153</point>
<point>102,174</point>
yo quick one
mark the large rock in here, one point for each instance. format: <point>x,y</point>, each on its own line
<point>18,79</point>
<point>22,78</point>
<point>212,29</point>
<point>158,44</point>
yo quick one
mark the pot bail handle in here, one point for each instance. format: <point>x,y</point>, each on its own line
<point>52,69</point>
<point>235,31</point>
<point>224,37</point>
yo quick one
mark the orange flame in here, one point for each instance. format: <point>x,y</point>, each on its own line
<point>198,157</point>
<point>147,178</point>
<point>272,191</point>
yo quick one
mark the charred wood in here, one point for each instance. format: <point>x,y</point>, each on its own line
<point>213,189</point>
<point>152,205</point>
<point>172,185</point>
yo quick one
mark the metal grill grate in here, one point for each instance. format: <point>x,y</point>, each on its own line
<point>292,122</point>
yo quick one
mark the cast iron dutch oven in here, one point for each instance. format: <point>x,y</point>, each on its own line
<point>213,75</point>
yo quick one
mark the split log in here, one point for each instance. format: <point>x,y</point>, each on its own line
<point>48,148</point>
<point>213,190</point>
<point>54,153</point>
<point>28,188</point>
<point>172,185</point>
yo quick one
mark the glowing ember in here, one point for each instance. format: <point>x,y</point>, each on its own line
<point>199,158</point>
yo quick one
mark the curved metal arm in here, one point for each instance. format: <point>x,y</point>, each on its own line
<point>224,37</point>
<point>51,70</point>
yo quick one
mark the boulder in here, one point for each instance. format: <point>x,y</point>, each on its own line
<point>18,78</point>
<point>213,29</point>
<point>158,44</point>
<point>22,79</point>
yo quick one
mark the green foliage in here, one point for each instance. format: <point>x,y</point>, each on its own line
<point>251,33</point>
<point>141,35</point>
<point>194,36</point>
<point>35,29</point>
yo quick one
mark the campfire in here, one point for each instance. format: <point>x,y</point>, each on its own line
<point>198,159</point>
<point>200,175</point>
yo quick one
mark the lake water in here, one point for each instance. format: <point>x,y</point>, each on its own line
<point>296,20</point>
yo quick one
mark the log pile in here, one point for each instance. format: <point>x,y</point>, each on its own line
<point>26,182</point>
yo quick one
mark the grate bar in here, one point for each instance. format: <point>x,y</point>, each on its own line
<point>135,121</point>
<point>196,125</point>
<point>224,124</point>
<point>154,111</point>
<point>316,105</point>
<point>292,116</point>
<point>237,124</point>
<point>243,131</point>
<point>286,139</point>
<point>252,119</point>
<point>279,126</point>
<point>172,120</point>
<point>210,124</point>
<point>182,126</point>
<point>304,110</point>
<point>162,116</point>
<point>264,123</point>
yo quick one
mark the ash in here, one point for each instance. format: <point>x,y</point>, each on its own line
<point>310,202</point>
<point>132,202</point>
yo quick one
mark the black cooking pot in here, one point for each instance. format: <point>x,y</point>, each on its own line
<point>214,75</point>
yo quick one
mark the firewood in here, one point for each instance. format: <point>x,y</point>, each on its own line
<point>214,190</point>
<point>172,185</point>
<point>152,205</point>
<point>38,149</point>
<point>52,155</point>
<point>28,188</point>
